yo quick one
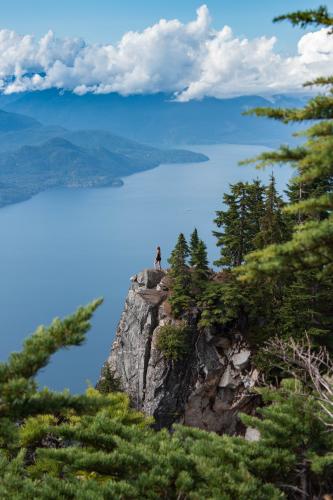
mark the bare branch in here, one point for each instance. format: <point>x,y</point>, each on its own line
<point>313,368</point>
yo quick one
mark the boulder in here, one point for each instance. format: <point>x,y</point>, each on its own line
<point>241,359</point>
<point>150,278</point>
<point>228,379</point>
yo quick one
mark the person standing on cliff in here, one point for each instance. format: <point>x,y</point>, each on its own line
<point>158,259</point>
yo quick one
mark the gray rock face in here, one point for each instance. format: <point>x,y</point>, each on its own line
<point>206,389</point>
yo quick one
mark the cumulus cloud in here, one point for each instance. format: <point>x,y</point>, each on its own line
<point>190,60</point>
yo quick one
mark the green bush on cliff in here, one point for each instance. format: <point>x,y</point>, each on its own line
<point>107,382</point>
<point>172,341</point>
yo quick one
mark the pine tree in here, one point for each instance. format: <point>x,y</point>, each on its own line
<point>194,242</point>
<point>56,445</point>
<point>255,209</point>
<point>180,298</point>
<point>179,255</point>
<point>311,244</point>
<point>240,222</point>
<point>307,309</point>
<point>305,260</point>
<point>200,270</point>
<point>95,446</point>
<point>201,259</point>
<point>294,441</point>
<point>198,260</point>
<point>273,223</point>
<point>107,382</point>
<point>252,217</point>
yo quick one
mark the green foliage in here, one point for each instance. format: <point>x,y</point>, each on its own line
<point>306,309</point>
<point>311,243</point>
<point>173,340</point>
<point>273,225</point>
<point>187,283</point>
<point>178,256</point>
<point>294,442</point>
<point>294,253</point>
<point>240,222</point>
<point>200,260</point>
<point>194,243</point>
<point>253,218</point>
<point>304,18</point>
<point>200,270</point>
<point>180,298</point>
<point>107,382</point>
<point>97,446</point>
<point>220,303</point>
<point>38,348</point>
<point>198,256</point>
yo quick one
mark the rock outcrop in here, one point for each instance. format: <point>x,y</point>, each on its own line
<point>206,389</point>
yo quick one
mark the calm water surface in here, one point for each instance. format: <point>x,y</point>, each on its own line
<point>64,247</point>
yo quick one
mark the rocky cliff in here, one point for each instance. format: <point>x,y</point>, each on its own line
<point>206,389</point>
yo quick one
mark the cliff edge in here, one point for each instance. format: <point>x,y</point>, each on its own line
<point>207,388</point>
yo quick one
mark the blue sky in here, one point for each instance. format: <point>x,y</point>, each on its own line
<point>187,48</point>
<point>106,20</point>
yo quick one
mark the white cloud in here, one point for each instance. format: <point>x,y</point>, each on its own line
<point>190,60</point>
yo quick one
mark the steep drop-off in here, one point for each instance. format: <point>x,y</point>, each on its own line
<point>207,388</point>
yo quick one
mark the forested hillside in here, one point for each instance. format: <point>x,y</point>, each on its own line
<point>35,157</point>
<point>274,286</point>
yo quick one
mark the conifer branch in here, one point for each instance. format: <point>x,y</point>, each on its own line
<point>305,18</point>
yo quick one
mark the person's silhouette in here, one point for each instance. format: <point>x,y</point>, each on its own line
<point>158,258</point>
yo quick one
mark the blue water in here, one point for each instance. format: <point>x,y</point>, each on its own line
<point>64,247</point>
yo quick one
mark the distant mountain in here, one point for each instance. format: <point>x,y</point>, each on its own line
<point>14,139</point>
<point>157,119</point>
<point>12,122</point>
<point>60,162</point>
<point>94,139</point>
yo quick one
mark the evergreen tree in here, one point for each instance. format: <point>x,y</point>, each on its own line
<point>240,222</point>
<point>194,242</point>
<point>255,209</point>
<point>180,298</point>
<point>179,255</point>
<point>56,445</point>
<point>95,446</point>
<point>305,260</point>
<point>307,309</point>
<point>311,244</point>
<point>198,260</point>
<point>107,382</point>
<point>300,191</point>
<point>273,224</point>
<point>200,270</point>
<point>294,442</point>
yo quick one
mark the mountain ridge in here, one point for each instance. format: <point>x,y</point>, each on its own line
<point>90,159</point>
<point>158,118</point>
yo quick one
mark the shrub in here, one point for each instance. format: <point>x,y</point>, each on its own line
<point>108,382</point>
<point>172,341</point>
